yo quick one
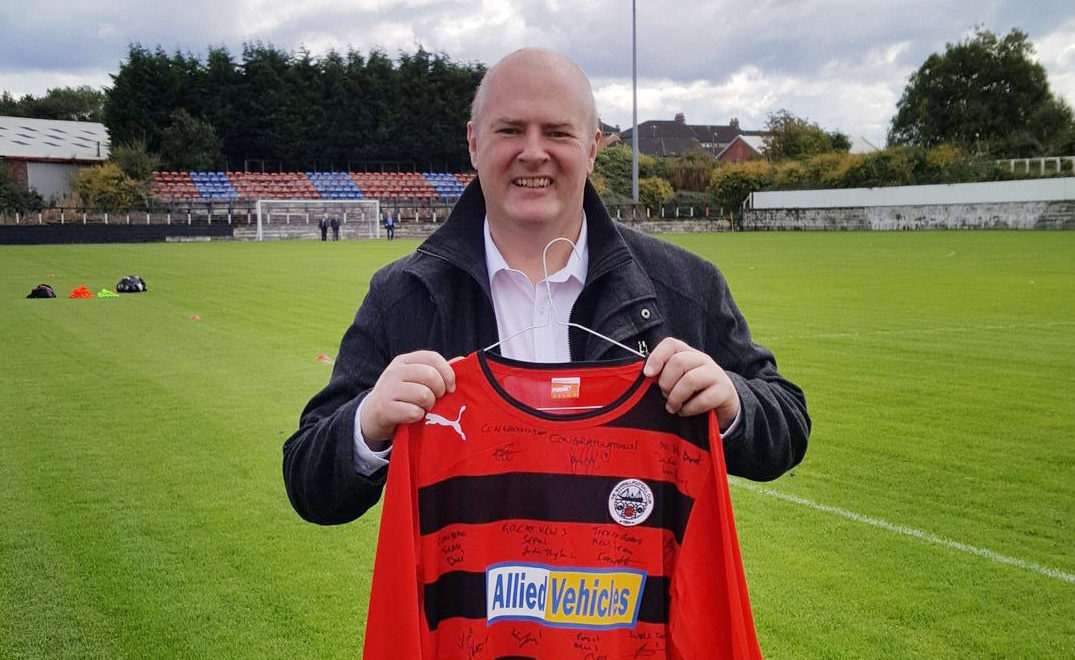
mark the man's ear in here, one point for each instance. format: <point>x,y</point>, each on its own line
<point>472,144</point>
<point>594,145</point>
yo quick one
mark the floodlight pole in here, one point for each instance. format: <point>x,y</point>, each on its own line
<point>634,94</point>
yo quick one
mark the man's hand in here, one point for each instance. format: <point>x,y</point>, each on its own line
<point>406,389</point>
<point>692,382</point>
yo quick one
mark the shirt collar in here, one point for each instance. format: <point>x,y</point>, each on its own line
<point>576,266</point>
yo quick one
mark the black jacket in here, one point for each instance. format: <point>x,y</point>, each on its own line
<point>638,291</point>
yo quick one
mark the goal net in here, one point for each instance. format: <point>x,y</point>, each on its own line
<point>361,214</point>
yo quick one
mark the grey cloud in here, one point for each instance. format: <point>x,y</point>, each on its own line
<point>679,40</point>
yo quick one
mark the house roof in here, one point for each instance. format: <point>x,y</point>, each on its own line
<point>861,145</point>
<point>755,142</point>
<point>53,139</point>
<point>671,137</point>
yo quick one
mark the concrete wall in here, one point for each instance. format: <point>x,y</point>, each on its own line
<point>51,180</point>
<point>1012,215</point>
<point>992,192</point>
<point>1029,204</point>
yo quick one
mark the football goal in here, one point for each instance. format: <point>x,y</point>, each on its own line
<point>363,214</point>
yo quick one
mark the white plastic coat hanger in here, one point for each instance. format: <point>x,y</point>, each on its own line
<point>552,307</point>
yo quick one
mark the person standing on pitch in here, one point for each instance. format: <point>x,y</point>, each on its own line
<point>390,225</point>
<point>322,224</point>
<point>533,137</point>
<point>335,223</point>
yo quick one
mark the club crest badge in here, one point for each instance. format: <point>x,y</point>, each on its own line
<point>630,502</point>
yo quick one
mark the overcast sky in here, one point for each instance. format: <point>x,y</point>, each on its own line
<point>840,63</point>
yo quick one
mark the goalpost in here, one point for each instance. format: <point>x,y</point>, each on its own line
<point>362,213</point>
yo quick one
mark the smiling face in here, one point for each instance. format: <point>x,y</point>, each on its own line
<point>533,140</point>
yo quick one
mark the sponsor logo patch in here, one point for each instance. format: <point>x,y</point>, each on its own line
<point>630,502</point>
<point>565,388</point>
<point>585,598</point>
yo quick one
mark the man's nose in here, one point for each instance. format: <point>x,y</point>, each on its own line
<point>533,146</point>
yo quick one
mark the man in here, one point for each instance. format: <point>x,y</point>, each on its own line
<point>323,226</point>
<point>390,225</point>
<point>533,138</point>
<point>335,223</point>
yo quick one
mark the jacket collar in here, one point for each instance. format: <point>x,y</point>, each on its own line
<point>461,242</point>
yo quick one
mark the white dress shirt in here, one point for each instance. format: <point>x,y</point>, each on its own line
<point>527,315</point>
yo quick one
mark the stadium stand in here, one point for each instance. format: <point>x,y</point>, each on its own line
<point>174,186</point>
<point>273,185</point>
<point>214,185</point>
<point>335,185</point>
<point>446,185</point>
<point>248,186</point>
<point>386,185</point>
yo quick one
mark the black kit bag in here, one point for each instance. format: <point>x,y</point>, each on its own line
<point>42,291</point>
<point>131,284</point>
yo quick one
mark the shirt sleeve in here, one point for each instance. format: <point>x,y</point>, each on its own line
<point>366,460</point>
<point>732,428</point>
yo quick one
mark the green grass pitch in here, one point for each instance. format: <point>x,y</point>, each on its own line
<point>143,511</point>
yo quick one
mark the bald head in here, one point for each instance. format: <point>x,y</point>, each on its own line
<point>527,60</point>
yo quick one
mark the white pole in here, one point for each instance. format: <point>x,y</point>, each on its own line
<point>634,94</point>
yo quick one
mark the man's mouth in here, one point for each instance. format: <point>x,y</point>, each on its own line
<point>532,182</point>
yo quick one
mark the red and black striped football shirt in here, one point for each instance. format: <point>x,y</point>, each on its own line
<point>557,512</point>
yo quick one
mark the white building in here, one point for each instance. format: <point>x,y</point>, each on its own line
<point>45,154</point>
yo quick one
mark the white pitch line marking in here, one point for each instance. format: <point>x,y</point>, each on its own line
<point>917,331</point>
<point>907,531</point>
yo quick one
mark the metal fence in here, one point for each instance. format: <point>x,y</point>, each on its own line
<point>243,212</point>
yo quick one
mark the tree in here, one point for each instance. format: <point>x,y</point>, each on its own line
<point>731,184</point>
<point>145,91</point>
<point>794,138</point>
<point>15,197</point>
<point>613,169</point>
<point>107,188</point>
<point>188,143</point>
<point>654,191</point>
<point>82,103</point>
<point>987,96</point>
<point>135,161</point>
<point>690,171</point>
<point>295,109</point>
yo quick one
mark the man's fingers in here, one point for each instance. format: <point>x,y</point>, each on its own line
<point>406,389</point>
<point>403,412</point>
<point>685,381</point>
<point>418,394</point>
<point>691,381</point>
<point>437,362</point>
<point>660,355</point>
<point>424,375</point>
<point>703,401</point>
<point>682,366</point>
